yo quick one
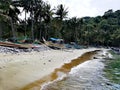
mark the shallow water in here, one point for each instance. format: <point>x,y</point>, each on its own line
<point>68,82</point>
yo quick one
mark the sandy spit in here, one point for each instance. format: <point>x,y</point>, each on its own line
<point>18,70</point>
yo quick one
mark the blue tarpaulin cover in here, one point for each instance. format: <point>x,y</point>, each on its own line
<point>54,39</point>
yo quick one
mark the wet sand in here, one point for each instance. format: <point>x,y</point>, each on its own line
<point>64,69</point>
<point>88,75</point>
<point>19,70</point>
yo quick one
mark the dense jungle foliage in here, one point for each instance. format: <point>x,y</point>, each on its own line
<point>43,21</point>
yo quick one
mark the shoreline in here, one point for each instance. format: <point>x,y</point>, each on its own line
<point>86,75</point>
<point>60,72</point>
<point>25,68</point>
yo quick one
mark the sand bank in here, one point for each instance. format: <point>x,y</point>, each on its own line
<point>18,70</point>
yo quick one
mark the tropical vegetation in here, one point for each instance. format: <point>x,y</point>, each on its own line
<point>44,21</point>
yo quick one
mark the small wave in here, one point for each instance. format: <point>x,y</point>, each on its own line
<point>61,77</point>
<point>69,68</point>
<point>75,70</point>
<point>62,73</point>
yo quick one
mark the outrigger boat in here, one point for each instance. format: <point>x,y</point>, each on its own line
<point>14,45</point>
<point>55,43</point>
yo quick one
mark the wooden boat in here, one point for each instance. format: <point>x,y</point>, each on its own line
<point>26,46</point>
<point>55,44</point>
<point>14,45</point>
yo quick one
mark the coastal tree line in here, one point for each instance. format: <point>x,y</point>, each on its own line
<point>44,21</point>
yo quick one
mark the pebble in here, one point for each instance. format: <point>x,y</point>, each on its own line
<point>49,60</point>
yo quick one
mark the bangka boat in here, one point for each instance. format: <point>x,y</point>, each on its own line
<point>14,45</point>
<point>55,43</point>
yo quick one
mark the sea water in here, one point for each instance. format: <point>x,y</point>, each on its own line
<point>85,76</point>
<point>67,77</point>
<point>83,73</point>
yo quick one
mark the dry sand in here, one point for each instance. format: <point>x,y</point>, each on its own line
<point>19,70</point>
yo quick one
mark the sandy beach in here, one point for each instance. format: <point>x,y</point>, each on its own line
<point>19,70</point>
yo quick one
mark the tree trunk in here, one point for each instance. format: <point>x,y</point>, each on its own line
<point>32,31</point>
<point>0,29</point>
<point>12,27</point>
<point>40,37</point>
<point>40,31</point>
<point>25,23</point>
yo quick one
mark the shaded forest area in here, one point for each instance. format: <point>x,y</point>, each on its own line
<point>44,21</point>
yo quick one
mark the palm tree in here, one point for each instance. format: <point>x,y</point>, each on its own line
<point>25,6</point>
<point>3,16</point>
<point>47,17</point>
<point>40,14</point>
<point>13,14</point>
<point>10,12</point>
<point>61,12</point>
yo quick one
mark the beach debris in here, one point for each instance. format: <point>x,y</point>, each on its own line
<point>11,50</point>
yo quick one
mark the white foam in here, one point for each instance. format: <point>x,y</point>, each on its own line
<point>74,70</point>
<point>61,76</point>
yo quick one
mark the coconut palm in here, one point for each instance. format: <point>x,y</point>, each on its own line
<point>25,8</point>
<point>10,12</point>
<point>61,12</point>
